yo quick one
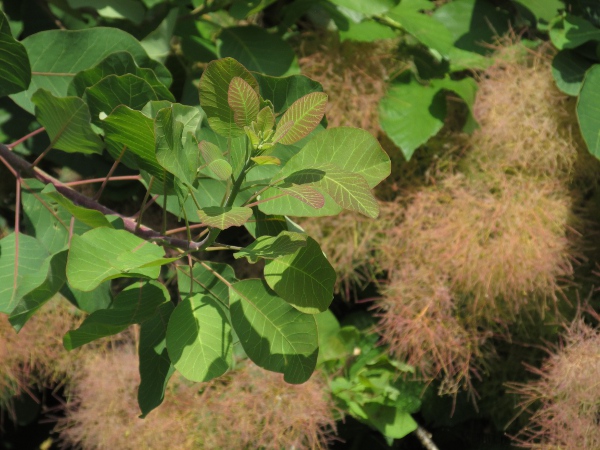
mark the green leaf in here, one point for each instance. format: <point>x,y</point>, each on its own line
<point>104,253</point>
<point>391,422</point>
<point>135,304</point>
<point>223,217</point>
<point>473,23</point>
<point>78,50</point>
<point>15,71</point>
<point>214,90</point>
<point>367,31</point>
<point>306,194</point>
<point>465,89</point>
<point>572,32</point>
<point>350,149</point>
<point>126,127</point>
<point>176,146</point>
<point>48,221</point>
<point>213,157</point>
<point>243,9</point>
<point>243,100</point>
<point>205,282</point>
<point>305,113</point>
<point>424,28</point>
<point>265,120</point>
<point>155,366</point>
<point>271,247</point>
<point>131,10</point>
<point>247,45</point>
<point>67,122</point>
<point>349,190</point>
<point>113,91</point>
<point>304,279</point>
<point>99,298</point>
<point>26,276</point>
<point>263,225</point>
<point>265,160</point>
<point>543,10</point>
<point>31,301</point>
<point>411,113</point>
<point>568,70</point>
<point>199,338</point>
<point>118,63</point>
<point>283,91</point>
<point>274,335</point>
<point>89,217</point>
<point>588,113</point>
<point>369,8</point>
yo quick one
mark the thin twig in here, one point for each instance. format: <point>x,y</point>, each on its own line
<point>18,164</point>
<point>425,438</point>
<point>140,214</point>
<point>24,138</point>
<point>110,172</point>
<point>100,180</point>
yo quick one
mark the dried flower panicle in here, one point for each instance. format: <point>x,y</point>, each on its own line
<point>566,396</point>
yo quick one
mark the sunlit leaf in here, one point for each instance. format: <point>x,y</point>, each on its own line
<point>274,335</point>
<point>271,247</point>
<point>67,122</point>
<point>199,338</point>
<point>243,100</point>
<point>305,113</point>
<point>223,217</point>
<point>304,279</point>
<point>214,90</point>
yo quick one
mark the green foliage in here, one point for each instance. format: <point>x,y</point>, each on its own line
<point>366,381</point>
<point>247,151</point>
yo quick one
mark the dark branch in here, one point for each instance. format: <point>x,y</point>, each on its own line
<point>25,168</point>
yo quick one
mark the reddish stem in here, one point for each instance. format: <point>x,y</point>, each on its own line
<point>24,138</point>
<point>100,180</point>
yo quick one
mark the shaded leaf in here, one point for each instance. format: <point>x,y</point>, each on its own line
<point>568,70</point>
<point>176,146</point>
<point>223,217</point>
<point>573,31</point>
<point>15,71</point>
<point>114,90</point>
<point>588,110</point>
<point>304,279</point>
<point>133,305</point>
<point>247,45</point>
<point>271,247</point>
<point>274,335</point>
<point>32,256</point>
<point>205,282</point>
<point>78,50</point>
<point>155,366</point>
<point>118,63</point>
<point>31,301</point>
<point>283,91</point>
<point>126,127</point>
<point>67,122</point>
<point>89,217</point>
<point>199,338</point>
